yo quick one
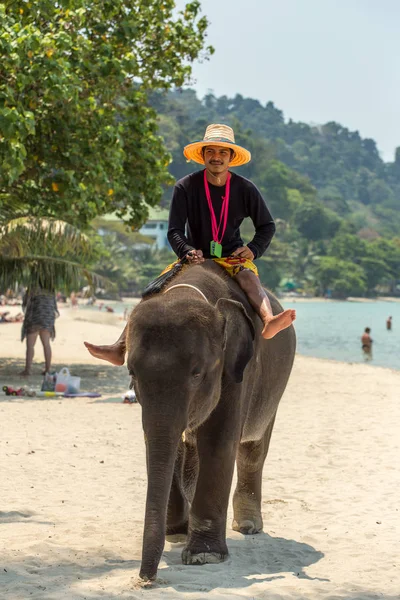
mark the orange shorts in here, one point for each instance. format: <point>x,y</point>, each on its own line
<point>232,265</point>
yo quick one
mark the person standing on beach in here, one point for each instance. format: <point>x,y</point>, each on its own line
<point>207,209</point>
<point>389,323</point>
<point>366,343</point>
<point>40,309</point>
<point>74,300</point>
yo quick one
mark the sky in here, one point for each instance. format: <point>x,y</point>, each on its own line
<point>316,60</point>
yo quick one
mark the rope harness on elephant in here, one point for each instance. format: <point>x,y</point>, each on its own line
<point>188,286</point>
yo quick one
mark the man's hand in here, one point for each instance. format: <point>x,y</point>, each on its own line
<point>195,257</point>
<point>243,252</point>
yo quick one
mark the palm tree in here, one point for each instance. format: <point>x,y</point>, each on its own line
<point>46,252</point>
<point>305,255</point>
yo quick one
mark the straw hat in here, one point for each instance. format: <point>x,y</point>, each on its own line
<point>217,135</point>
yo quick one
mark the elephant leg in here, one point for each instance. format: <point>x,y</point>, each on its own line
<point>182,491</point>
<point>178,511</point>
<point>247,497</point>
<point>216,445</point>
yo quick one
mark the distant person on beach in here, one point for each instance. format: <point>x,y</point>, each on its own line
<point>8,299</point>
<point>389,323</point>
<point>40,309</point>
<point>366,342</point>
<point>7,319</point>
<point>74,300</point>
<point>60,297</point>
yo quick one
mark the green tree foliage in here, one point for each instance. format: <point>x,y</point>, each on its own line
<point>387,250</point>
<point>269,272</point>
<point>378,258</point>
<point>328,190</point>
<point>305,255</point>
<point>347,246</point>
<point>346,169</point>
<point>77,136</point>
<point>128,261</point>
<point>342,277</point>
<point>46,252</point>
<point>376,271</point>
<point>315,222</point>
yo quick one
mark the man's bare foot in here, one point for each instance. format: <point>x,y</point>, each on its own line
<point>115,353</point>
<point>277,323</point>
<point>25,373</point>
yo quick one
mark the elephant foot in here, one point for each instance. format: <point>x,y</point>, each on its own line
<point>247,517</point>
<point>204,551</point>
<point>176,533</point>
<point>203,558</point>
<point>248,526</point>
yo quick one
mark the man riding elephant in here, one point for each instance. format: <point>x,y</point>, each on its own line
<point>207,209</point>
<point>208,382</point>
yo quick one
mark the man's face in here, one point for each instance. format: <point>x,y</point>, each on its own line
<point>217,158</point>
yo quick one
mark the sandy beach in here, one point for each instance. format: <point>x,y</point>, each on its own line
<point>73,485</point>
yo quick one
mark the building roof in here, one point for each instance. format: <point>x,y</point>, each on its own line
<point>156,213</point>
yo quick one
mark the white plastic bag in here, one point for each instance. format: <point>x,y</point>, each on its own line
<point>65,382</point>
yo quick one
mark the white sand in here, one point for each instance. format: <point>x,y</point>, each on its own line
<point>73,483</point>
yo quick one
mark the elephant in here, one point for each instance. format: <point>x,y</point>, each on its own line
<point>209,386</point>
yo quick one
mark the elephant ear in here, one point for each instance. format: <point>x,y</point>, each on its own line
<point>239,337</point>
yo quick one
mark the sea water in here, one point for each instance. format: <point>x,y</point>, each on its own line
<point>334,329</point>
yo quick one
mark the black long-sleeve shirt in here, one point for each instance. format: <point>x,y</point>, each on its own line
<point>189,225</point>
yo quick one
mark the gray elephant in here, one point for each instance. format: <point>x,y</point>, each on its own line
<point>209,386</point>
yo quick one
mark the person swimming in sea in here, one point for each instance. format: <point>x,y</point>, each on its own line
<point>366,343</point>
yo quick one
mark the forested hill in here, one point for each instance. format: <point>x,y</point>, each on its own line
<point>350,177</point>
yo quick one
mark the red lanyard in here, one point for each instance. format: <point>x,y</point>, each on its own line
<point>217,236</point>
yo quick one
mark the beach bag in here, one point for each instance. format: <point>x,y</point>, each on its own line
<point>65,382</point>
<point>49,382</point>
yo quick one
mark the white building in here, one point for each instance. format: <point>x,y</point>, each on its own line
<point>156,227</point>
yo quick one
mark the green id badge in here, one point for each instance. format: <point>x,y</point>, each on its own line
<point>215,249</point>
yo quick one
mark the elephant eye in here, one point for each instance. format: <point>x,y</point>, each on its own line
<point>196,373</point>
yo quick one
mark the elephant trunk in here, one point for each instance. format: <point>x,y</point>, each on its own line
<point>161,446</point>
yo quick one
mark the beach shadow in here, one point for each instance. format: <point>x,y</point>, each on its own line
<point>60,578</point>
<point>365,596</point>
<point>270,558</point>
<point>56,577</point>
<point>51,577</point>
<point>16,516</point>
<point>102,378</point>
